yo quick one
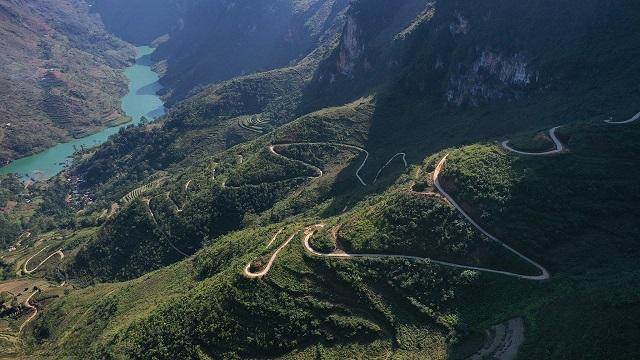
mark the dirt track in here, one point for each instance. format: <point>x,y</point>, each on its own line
<point>28,272</point>
<point>35,310</point>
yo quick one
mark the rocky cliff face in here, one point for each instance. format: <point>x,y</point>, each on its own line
<point>350,49</point>
<point>459,53</point>
<point>372,43</point>
<point>490,77</point>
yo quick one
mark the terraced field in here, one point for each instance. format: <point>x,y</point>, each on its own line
<point>133,195</point>
<point>252,123</point>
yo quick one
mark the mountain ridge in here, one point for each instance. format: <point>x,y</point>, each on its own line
<point>207,236</point>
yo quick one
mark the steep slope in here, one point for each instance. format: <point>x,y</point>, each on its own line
<point>360,203</point>
<point>140,22</point>
<point>370,50</point>
<point>212,41</point>
<point>212,119</point>
<point>418,58</point>
<point>219,40</point>
<point>305,303</point>
<point>469,71</point>
<point>52,55</point>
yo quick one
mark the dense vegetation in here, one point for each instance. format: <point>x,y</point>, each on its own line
<point>452,77</point>
<point>225,314</point>
<point>10,228</point>
<point>200,126</point>
<point>584,212</point>
<point>305,300</point>
<point>504,189</point>
<point>426,226</point>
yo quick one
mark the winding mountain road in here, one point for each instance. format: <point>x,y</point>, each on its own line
<point>28,305</point>
<point>317,169</point>
<point>436,180</point>
<point>634,118</point>
<point>552,133</point>
<point>342,255</point>
<point>309,232</point>
<point>320,172</point>
<point>247,270</point>
<point>29,272</point>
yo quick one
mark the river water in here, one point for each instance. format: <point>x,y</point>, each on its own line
<point>141,100</point>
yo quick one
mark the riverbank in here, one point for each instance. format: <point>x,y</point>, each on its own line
<point>140,101</point>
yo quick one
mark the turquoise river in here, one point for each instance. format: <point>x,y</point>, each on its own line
<point>141,100</point>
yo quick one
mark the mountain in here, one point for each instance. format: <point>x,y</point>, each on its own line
<point>428,180</point>
<point>140,22</point>
<point>213,41</point>
<point>52,53</point>
<point>223,39</point>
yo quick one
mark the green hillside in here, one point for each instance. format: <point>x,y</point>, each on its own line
<point>407,307</point>
<point>401,193</point>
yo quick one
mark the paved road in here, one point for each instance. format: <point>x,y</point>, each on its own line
<point>543,276</point>
<point>552,133</point>
<point>436,180</point>
<point>343,255</point>
<point>634,118</point>
<point>317,169</point>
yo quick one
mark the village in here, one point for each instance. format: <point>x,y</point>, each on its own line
<point>78,199</point>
